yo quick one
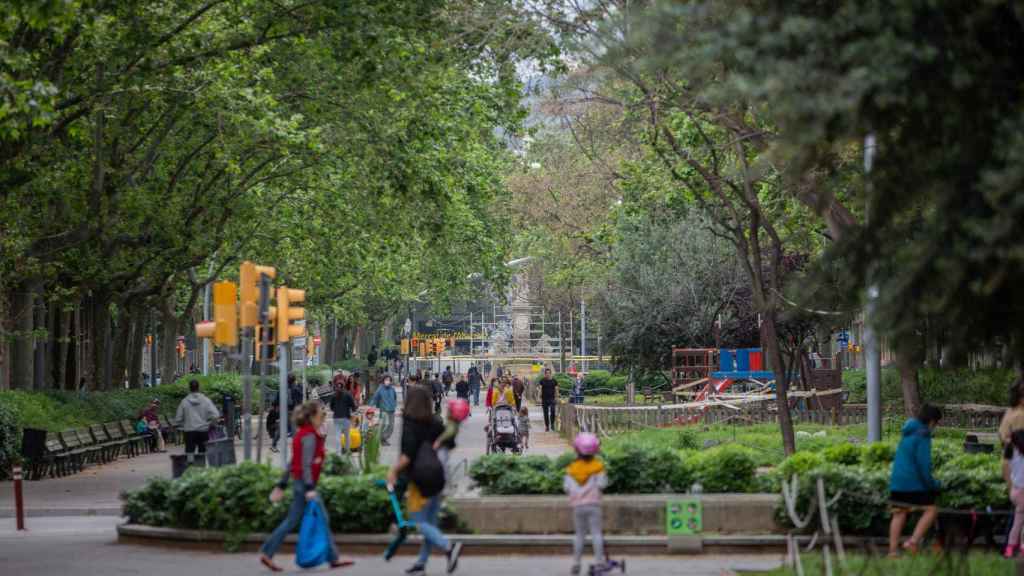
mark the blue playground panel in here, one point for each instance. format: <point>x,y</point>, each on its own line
<point>737,360</point>
<point>743,375</point>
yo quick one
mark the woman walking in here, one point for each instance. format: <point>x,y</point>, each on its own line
<point>307,460</point>
<point>420,429</point>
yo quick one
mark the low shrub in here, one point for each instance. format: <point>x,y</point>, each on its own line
<point>862,506</point>
<point>233,499</point>
<point>635,470</point>
<point>800,463</point>
<point>878,455</point>
<point>686,439</point>
<point>335,465</point>
<point>972,481</point>
<point>939,386</point>
<point>725,469</point>
<point>847,454</point>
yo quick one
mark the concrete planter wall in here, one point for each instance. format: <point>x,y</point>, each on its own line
<point>623,514</point>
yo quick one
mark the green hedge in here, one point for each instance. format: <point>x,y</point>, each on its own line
<point>631,470</point>
<point>57,410</point>
<point>969,481</point>
<point>233,499</point>
<point>989,386</point>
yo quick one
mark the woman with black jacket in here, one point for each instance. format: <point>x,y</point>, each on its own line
<point>420,428</point>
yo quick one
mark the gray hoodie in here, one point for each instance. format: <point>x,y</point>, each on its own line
<point>195,413</point>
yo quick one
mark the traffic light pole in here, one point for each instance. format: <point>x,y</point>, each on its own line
<point>247,394</point>
<point>264,321</point>
<point>282,395</point>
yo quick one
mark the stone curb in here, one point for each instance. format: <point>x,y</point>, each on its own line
<point>63,512</point>
<point>473,543</point>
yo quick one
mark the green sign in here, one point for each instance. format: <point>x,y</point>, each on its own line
<point>684,517</point>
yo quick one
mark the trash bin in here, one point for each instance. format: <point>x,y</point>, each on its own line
<point>220,452</point>
<point>181,462</point>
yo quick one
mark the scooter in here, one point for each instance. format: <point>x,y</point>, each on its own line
<point>608,567</point>
<point>404,526</point>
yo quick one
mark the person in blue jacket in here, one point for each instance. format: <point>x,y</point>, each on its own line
<point>912,484</point>
<point>386,400</point>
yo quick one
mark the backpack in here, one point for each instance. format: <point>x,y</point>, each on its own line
<point>446,378</point>
<point>427,472</point>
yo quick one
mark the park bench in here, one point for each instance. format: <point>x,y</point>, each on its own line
<point>118,445</point>
<point>79,454</point>
<point>109,450</point>
<point>139,442</point>
<point>114,432</point>
<point>53,462</point>
<point>171,433</point>
<point>97,453</point>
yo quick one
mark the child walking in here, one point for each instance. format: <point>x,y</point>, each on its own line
<point>524,426</point>
<point>584,481</point>
<point>1013,472</point>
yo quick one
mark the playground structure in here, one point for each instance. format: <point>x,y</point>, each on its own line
<point>702,374</point>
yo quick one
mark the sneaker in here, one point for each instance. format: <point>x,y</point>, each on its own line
<point>453,556</point>
<point>575,570</point>
<point>416,570</point>
<point>1010,551</point>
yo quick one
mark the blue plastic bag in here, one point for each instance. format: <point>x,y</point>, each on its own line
<point>314,537</point>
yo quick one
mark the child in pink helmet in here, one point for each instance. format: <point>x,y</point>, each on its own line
<point>458,410</point>
<point>584,481</point>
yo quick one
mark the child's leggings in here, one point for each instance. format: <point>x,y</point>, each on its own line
<point>586,518</point>
<point>1017,497</point>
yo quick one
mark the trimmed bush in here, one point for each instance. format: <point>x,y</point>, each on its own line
<point>988,386</point>
<point>233,499</point>
<point>800,463</point>
<point>847,454</point>
<point>878,455</point>
<point>863,506</point>
<point>726,469</point>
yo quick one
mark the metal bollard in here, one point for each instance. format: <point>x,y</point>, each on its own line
<point>19,502</point>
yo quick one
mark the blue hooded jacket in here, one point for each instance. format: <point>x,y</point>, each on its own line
<point>385,398</point>
<point>912,468</point>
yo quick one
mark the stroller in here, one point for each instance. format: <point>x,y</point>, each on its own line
<point>503,431</point>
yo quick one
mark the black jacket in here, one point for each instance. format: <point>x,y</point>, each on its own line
<point>343,404</point>
<point>548,390</point>
<point>462,389</point>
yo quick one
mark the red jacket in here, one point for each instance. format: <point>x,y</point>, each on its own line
<point>318,455</point>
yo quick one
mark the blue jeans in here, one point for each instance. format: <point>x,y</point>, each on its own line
<point>474,391</point>
<point>292,521</point>
<point>426,523</point>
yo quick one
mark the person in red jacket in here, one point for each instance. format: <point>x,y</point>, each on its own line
<point>307,460</point>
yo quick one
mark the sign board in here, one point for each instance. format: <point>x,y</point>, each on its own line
<point>684,516</point>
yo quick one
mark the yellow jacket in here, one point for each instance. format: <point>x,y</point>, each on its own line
<point>510,398</point>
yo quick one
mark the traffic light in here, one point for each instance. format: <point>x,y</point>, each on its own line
<point>224,328</point>
<point>422,348</point>
<point>451,342</point>
<point>286,312</point>
<point>270,342</point>
<point>439,346</point>
<point>405,346</point>
<point>249,278</point>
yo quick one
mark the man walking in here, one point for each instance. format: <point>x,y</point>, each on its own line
<point>447,379</point>
<point>476,381</point>
<point>548,399</point>
<point>342,407</point>
<point>386,400</point>
<point>195,414</point>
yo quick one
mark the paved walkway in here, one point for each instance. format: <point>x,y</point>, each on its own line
<point>88,546</point>
<point>96,490</point>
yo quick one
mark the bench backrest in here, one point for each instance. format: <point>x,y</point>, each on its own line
<point>113,431</point>
<point>98,433</point>
<point>53,442</point>
<point>84,436</point>
<point>128,428</point>
<point>70,439</point>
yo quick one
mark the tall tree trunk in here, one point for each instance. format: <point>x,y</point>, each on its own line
<point>122,337</point>
<point>907,357</point>
<point>100,342</point>
<point>5,352</point>
<point>40,342</point>
<point>22,353</point>
<point>136,347</point>
<point>770,342</point>
<point>60,331</point>
<point>168,352</point>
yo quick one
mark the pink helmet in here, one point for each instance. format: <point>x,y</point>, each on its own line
<point>586,444</point>
<point>458,409</point>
